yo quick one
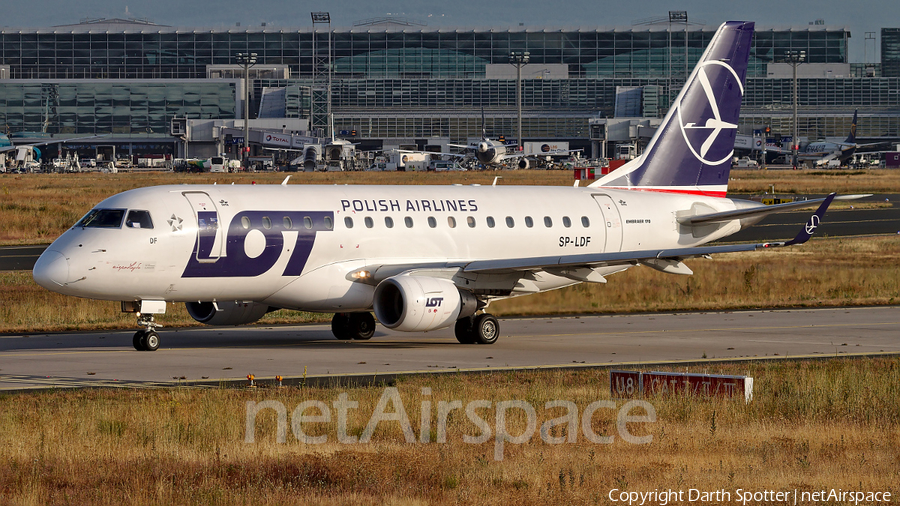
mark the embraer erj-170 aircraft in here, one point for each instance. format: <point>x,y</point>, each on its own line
<point>421,257</point>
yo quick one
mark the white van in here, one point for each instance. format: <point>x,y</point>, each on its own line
<point>218,164</point>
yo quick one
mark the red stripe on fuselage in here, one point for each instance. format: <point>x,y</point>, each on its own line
<point>706,193</point>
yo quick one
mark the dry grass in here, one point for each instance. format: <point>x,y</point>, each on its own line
<point>815,181</point>
<point>811,426</point>
<point>37,208</point>
<point>822,272</point>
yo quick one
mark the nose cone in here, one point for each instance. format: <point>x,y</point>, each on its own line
<point>51,270</point>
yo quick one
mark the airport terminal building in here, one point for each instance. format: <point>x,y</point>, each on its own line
<point>395,79</point>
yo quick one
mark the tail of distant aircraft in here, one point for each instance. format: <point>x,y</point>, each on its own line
<point>851,139</point>
<point>692,149</point>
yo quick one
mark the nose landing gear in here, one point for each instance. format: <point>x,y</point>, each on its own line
<point>146,339</point>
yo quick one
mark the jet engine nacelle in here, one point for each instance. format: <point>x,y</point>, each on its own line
<point>418,303</point>
<point>226,313</point>
<point>310,157</point>
<point>523,163</point>
<point>333,153</point>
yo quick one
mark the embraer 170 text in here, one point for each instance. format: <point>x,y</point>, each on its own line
<point>420,257</point>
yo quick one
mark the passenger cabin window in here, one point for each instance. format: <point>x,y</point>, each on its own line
<point>288,224</point>
<point>102,218</point>
<point>329,224</point>
<point>369,222</point>
<point>510,222</point>
<point>490,221</point>
<point>548,222</point>
<point>307,222</point>
<point>348,222</point>
<point>388,222</point>
<point>567,222</point>
<point>471,221</point>
<point>585,222</point>
<point>267,222</point>
<point>409,222</point>
<point>138,219</point>
<point>529,222</point>
<point>451,221</point>
<point>432,222</point>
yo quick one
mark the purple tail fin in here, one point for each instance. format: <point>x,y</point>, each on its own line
<point>851,139</point>
<point>692,149</point>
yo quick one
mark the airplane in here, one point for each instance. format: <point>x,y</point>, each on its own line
<point>421,257</point>
<point>492,153</point>
<point>23,151</point>
<point>821,152</point>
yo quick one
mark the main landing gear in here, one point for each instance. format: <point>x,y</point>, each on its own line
<point>146,339</point>
<point>478,329</point>
<point>359,326</point>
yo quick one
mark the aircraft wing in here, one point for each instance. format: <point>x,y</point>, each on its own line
<point>662,259</point>
<point>434,153</point>
<point>579,267</point>
<point>549,153</point>
<point>48,141</point>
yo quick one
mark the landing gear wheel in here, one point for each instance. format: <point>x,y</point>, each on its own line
<point>138,340</point>
<point>146,339</point>
<point>340,326</point>
<point>485,329</point>
<point>463,330</point>
<point>151,341</point>
<point>362,326</point>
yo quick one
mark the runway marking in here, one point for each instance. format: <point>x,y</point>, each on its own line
<point>731,329</point>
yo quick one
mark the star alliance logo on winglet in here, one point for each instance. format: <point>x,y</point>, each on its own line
<point>714,125</point>
<point>812,225</point>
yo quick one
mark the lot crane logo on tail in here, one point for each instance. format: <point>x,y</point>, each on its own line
<point>694,131</point>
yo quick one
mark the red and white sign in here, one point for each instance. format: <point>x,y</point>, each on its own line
<point>277,140</point>
<point>647,384</point>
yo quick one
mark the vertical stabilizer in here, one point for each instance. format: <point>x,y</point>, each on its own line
<point>692,149</point>
<point>851,139</point>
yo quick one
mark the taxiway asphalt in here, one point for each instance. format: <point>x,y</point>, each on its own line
<point>224,356</point>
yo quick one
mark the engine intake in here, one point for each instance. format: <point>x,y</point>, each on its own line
<point>523,163</point>
<point>310,156</point>
<point>228,313</point>
<point>419,303</point>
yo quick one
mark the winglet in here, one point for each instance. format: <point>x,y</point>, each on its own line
<point>810,228</point>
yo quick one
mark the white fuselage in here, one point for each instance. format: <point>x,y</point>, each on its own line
<point>299,246</point>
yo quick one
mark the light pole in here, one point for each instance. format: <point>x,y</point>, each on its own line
<point>519,59</point>
<point>794,58</point>
<point>247,60</point>
<point>321,64</point>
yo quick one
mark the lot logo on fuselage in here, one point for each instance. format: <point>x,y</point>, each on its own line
<point>700,114</point>
<point>208,261</point>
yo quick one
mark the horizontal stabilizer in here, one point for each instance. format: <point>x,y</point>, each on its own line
<point>703,219</point>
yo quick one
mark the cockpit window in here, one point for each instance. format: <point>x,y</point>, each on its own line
<point>138,219</point>
<point>102,218</point>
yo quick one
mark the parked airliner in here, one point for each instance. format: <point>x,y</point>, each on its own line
<point>421,257</point>
<point>493,154</point>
